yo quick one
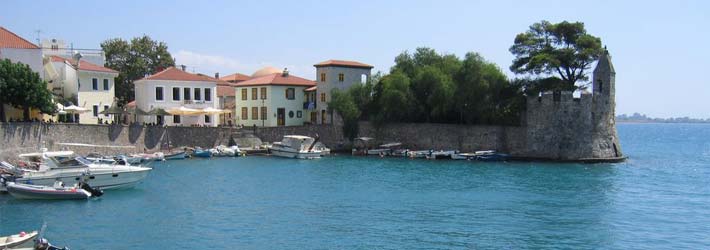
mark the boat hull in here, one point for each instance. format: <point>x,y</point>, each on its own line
<point>16,240</point>
<point>176,156</point>
<point>294,154</point>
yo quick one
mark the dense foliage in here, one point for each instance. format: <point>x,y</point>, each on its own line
<point>22,88</point>
<point>564,49</point>
<point>344,104</point>
<point>440,88</point>
<point>133,61</point>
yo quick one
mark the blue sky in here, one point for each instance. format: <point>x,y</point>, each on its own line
<point>659,48</point>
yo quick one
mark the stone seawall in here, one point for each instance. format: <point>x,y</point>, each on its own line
<point>466,138</point>
<point>17,138</point>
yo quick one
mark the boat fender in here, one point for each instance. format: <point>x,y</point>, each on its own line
<point>22,234</point>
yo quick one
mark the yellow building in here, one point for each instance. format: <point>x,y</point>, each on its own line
<point>271,98</point>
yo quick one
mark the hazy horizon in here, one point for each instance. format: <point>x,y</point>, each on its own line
<point>654,45</point>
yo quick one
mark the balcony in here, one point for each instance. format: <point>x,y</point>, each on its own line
<point>309,105</point>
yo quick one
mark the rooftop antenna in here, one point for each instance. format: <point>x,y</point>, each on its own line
<point>38,31</point>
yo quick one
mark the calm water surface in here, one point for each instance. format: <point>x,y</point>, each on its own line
<point>659,198</point>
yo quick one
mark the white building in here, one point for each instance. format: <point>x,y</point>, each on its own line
<point>90,85</point>
<point>173,88</point>
<point>336,74</point>
<point>271,98</point>
<point>56,47</point>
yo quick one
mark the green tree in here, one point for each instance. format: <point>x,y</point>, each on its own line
<point>563,48</point>
<point>394,102</point>
<point>343,104</point>
<point>434,92</point>
<point>133,60</point>
<point>22,88</point>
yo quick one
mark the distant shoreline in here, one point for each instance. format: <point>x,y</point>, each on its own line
<point>662,122</point>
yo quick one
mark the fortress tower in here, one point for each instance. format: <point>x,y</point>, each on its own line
<point>559,126</point>
<point>605,139</point>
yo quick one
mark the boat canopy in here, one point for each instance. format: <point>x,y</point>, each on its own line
<point>391,145</point>
<point>298,142</point>
<point>48,154</point>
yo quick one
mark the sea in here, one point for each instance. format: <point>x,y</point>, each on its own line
<point>658,199</point>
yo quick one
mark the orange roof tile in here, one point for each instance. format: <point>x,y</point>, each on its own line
<point>174,74</point>
<point>11,40</point>
<point>277,79</point>
<point>83,65</point>
<point>236,77</point>
<point>343,63</point>
<point>224,90</point>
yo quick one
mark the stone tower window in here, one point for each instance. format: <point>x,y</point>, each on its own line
<point>322,77</point>
<point>556,96</point>
<point>601,86</point>
<point>341,77</point>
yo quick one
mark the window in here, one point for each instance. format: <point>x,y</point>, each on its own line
<point>255,113</point>
<point>186,94</point>
<point>208,119</point>
<point>263,113</point>
<point>176,94</point>
<point>198,95</point>
<point>96,110</point>
<point>290,114</point>
<point>245,113</point>
<point>341,77</point>
<point>208,94</point>
<point>322,77</point>
<point>601,86</point>
<point>176,119</point>
<point>158,93</point>
<point>244,94</point>
<point>290,93</point>
<point>94,84</point>
<point>322,97</point>
<point>254,93</point>
<point>263,93</point>
<point>105,108</point>
<point>299,114</point>
<point>105,84</point>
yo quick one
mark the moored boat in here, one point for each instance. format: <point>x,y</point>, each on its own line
<point>491,155</point>
<point>176,156</point>
<point>56,192</point>
<point>199,152</point>
<point>296,146</point>
<point>21,239</point>
<point>464,156</point>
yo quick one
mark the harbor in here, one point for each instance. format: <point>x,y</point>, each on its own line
<point>344,201</point>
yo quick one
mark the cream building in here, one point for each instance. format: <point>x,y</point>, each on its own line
<point>336,74</point>
<point>271,98</point>
<point>91,86</point>
<point>174,88</point>
<point>18,49</point>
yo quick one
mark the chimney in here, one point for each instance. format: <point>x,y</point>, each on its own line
<point>183,67</point>
<point>285,73</point>
<point>216,75</point>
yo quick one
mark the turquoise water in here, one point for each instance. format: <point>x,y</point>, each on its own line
<point>659,198</point>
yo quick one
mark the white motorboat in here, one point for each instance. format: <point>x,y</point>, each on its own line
<point>21,239</point>
<point>441,154</point>
<point>464,156</point>
<point>45,168</point>
<point>322,148</point>
<point>296,146</point>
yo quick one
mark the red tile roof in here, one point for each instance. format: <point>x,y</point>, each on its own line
<point>11,40</point>
<point>343,63</point>
<point>224,90</point>
<point>236,77</point>
<point>83,65</point>
<point>277,79</point>
<point>314,88</point>
<point>175,74</point>
<point>131,104</point>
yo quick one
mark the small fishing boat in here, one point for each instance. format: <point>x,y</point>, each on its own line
<point>57,192</point>
<point>385,149</point>
<point>464,156</point>
<point>176,156</point>
<point>418,153</point>
<point>157,156</point>
<point>441,154</point>
<point>199,152</point>
<point>491,155</point>
<point>362,144</point>
<point>21,239</point>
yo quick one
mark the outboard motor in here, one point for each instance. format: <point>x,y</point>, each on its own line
<point>95,192</point>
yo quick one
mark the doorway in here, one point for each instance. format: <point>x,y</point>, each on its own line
<point>280,116</point>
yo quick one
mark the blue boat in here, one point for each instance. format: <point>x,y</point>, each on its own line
<point>202,153</point>
<point>176,156</point>
<point>491,155</point>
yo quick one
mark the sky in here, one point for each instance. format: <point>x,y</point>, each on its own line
<point>659,48</point>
